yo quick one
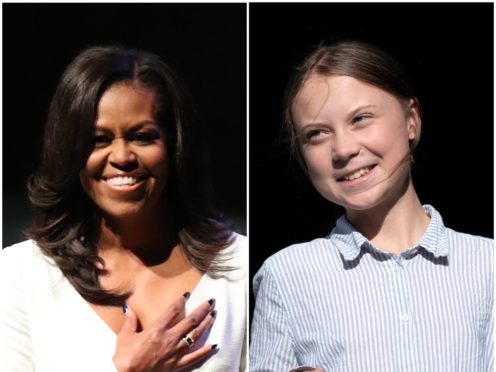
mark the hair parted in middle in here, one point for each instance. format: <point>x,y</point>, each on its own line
<point>67,222</point>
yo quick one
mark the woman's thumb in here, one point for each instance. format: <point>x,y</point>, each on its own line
<point>130,320</point>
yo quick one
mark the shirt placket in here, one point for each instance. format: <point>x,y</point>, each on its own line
<point>401,292</point>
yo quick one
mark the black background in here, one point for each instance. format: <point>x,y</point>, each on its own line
<point>204,43</point>
<point>447,49</point>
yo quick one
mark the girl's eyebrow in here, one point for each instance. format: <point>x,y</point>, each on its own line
<point>349,116</point>
<point>358,109</point>
<point>310,125</point>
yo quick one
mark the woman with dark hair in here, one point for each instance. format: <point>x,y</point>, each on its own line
<point>127,267</point>
<point>390,288</point>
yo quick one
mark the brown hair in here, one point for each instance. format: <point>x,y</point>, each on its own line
<point>67,222</point>
<point>356,59</point>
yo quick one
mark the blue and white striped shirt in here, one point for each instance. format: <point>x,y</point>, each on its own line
<point>342,304</point>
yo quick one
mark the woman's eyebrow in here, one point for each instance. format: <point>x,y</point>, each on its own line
<point>142,124</point>
<point>104,128</point>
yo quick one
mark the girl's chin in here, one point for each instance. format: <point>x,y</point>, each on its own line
<point>359,202</point>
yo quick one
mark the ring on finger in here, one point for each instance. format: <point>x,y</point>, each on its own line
<point>188,340</point>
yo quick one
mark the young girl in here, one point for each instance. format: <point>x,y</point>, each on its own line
<point>391,288</point>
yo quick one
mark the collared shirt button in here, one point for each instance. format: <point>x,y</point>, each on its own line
<point>405,317</point>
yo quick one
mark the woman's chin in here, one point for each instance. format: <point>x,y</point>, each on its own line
<point>124,212</point>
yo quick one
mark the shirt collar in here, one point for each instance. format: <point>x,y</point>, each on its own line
<point>350,242</point>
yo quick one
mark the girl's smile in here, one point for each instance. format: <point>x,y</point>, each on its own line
<point>354,139</point>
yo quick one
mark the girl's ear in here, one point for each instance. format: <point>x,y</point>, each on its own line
<point>414,122</point>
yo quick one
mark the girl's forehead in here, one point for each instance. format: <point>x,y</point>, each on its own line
<point>336,95</point>
<point>333,84</point>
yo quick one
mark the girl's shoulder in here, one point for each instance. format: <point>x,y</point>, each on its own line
<point>312,255</point>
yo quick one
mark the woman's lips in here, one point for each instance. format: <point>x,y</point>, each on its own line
<point>124,183</point>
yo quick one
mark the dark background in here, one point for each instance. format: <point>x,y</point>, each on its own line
<point>204,43</point>
<point>447,49</point>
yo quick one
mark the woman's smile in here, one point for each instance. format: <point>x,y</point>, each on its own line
<point>126,173</point>
<point>124,183</point>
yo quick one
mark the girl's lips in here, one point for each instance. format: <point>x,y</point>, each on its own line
<point>357,177</point>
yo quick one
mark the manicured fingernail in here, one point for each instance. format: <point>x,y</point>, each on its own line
<point>214,347</point>
<point>124,308</point>
<point>211,302</point>
<point>213,313</point>
<point>186,295</point>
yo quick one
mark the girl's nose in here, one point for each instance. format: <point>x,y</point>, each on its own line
<point>344,147</point>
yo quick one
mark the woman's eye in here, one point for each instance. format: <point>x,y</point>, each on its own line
<point>145,137</point>
<point>101,140</point>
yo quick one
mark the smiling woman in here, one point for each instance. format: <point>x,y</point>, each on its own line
<point>128,267</point>
<point>126,173</point>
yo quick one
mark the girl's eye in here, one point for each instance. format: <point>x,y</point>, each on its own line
<point>359,119</point>
<point>144,137</point>
<point>314,135</point>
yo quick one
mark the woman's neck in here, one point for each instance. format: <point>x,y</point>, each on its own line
<point>147,238</point>
<point>395,225</point>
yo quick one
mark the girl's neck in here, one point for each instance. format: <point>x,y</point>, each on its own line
<point>394,225</point>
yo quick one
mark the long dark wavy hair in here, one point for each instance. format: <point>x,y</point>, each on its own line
<point>67,223</point>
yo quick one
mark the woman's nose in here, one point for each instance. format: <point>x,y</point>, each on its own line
<point>120,153</point>
<point>344,147</point>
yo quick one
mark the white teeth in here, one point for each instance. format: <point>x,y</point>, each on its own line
<point>122,181</point>
<point>357,174</point>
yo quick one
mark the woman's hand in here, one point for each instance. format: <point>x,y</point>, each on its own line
<point>160,347</point>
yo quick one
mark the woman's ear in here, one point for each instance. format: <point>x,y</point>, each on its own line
<point>414,122</point>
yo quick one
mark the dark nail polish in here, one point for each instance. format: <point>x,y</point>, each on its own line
<point>211,302</point>
<point>124,308</point>
<point>214,347</point>
<point>186,295</point>
<point>213,313</point>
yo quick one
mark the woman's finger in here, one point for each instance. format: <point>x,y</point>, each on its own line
<point>194,319</point>
<point>197,332</point>
<point>172,314</point>
<point>130,321</point>
<point>195,356</point>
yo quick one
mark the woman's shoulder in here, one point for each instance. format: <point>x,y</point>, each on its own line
<point>239,245</point>
<point>235,257</point>
<point>26,260</point>
<point>26,251</point>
